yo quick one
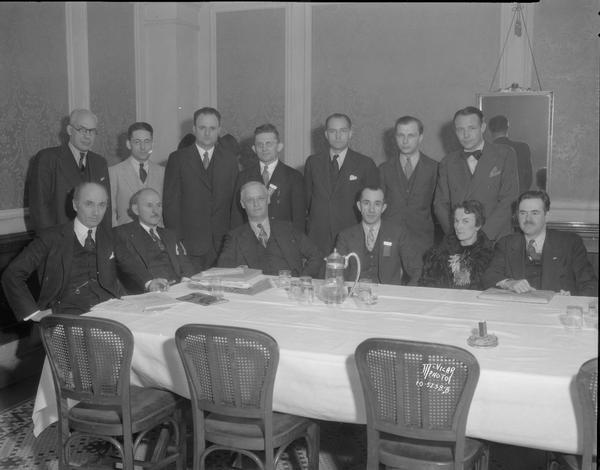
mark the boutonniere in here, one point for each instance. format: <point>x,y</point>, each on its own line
<point>180,249</point>
<point>352,178</point>
<point>495,172</point>
<point>272,188</point>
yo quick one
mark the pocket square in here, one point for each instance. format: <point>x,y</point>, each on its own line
<point>495,172</point>
<point>112,255</point>
<point>353,178</point>
<point>102,179</point>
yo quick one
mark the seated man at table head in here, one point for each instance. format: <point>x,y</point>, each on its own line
<point>75,263</point>
<point>540,258</point>
<point>160,255</point>
<point>285,184</point>
<point>386,250</point>
<point>462,257</point>
<point>269,245</point>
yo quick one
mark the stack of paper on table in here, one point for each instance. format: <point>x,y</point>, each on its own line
<point>534,296</point>
<point>241,278</point>
<point>139,303</point>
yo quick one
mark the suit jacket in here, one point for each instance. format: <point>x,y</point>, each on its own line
<point>410,201</point>
<point>131,238</point>
<point>494,184</point>
<point>125,181</point>
<point>396,252</point>
<point>51,254</point>
<point>53,176</point>
<point>332,209</point>
<point>241,249</point>
<point>196,208</point>
<point>564,263</point>
<point>287,202</point>
<point>523,161</point>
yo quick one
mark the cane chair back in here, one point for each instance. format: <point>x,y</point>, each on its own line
<point>587,386</point>
<point>231,375</point>
<point>90,360</point>
<point>421,393</point>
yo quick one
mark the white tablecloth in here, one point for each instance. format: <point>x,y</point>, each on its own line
<point>525,395</point>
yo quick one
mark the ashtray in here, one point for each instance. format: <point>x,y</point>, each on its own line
<point>571,322</point>
<point>487,341</point>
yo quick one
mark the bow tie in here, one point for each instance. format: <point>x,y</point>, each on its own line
<point>476,154</point>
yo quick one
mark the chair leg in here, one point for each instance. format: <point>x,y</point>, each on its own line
<point>182,444</point>
<point>313,444</point>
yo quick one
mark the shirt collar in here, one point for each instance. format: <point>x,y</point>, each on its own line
<point>479,147</point>
<point>376,226</point>
<point>413,159</point>
<point>201,151</point>
<point>270,167</point>
<point>77,153</point>
<point>539,241</point>
<point>341,156</point>
<point>136,164</point>
<point>264,223</point>
<point>147,227</point>
<point>81,231</point>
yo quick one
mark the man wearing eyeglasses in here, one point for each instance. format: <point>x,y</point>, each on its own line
<point>332,180</point>
<point>56,171</point>
<point>284,183</point>
<point>135,173</point>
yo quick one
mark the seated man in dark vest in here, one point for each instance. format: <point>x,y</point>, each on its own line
<point>386,250</point>
<point>268,245</point>
<point>155,249</point>
<point>75,262</point>
<point>540,258</point>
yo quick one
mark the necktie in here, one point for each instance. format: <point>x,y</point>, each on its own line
<point>265,176</point>
<point>476,154</point>
<point>262,235</point>
<point>89,244</point>
<point>371,239</point>
<point>81,161</point>
<point>408,168</point>
<point>205,160</point>
<point>334,169</point>
<point>143,173</point>
<point>533,255</point>
<point>158,241</point>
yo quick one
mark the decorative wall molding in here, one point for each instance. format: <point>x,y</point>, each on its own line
<point>78,71</point>
<point>13,220</point>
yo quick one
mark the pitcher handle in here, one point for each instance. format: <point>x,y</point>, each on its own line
<point>353,288</point>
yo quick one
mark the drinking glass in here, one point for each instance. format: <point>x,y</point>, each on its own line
<point>285,276</point>
<point>216,287</point>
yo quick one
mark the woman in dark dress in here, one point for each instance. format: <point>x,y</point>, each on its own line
<point>459,261</point>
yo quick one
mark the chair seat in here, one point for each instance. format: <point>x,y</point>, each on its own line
<point>425,455</point>
<point>149,407</point>
<point>248,433</point>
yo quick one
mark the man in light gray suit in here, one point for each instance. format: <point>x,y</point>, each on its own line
<point>135,173</point>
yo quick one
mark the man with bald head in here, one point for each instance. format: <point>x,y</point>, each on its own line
<point>268,245</point>
<point>56,171</point>
<point>155,249</point>
<point>75,262</point>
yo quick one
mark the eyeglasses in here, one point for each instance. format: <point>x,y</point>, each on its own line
<point>85,131</point>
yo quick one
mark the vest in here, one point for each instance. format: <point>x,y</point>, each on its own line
<point>533,272</point>
<point>271,258</point>
<point>370,261</point>
<point>159,263</point>
<point>83,290</point>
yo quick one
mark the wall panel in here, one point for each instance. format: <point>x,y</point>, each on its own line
<point>251,70</point>
<point>33,90</point>
<point>112,75</point>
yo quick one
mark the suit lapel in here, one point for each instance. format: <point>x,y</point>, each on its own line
<point>517,256</point>
<point>322,172</point>
<point>103,252</point>
<point>460,170</point>
<point>550,272</point>
<point>195,164</point>
<point>482,170</point>
<point>68,234</point>
<point>170,247</point>
<point>347,169</point>
<point>131,177</point>
<point>68,167</point>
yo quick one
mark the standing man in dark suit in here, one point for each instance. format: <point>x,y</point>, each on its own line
<point>482,171</point>
<point>332,181</point>
<point>56,171</point>
<point>134,173</point>
<point>385,248</point>
<point>156,249</point>
<point>268,245</point>
<point>408,182</point>
<point>540,258</point>
<point>498,126</point>
<point>285,185</point>
<point>75,263</point>
<point>198,190</point>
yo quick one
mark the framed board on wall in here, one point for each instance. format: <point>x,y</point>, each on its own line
<point>529,115</point>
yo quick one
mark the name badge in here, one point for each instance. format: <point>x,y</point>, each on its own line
<point>387,248</point>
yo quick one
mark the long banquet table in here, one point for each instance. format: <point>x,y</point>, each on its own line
<point>525,396</point>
